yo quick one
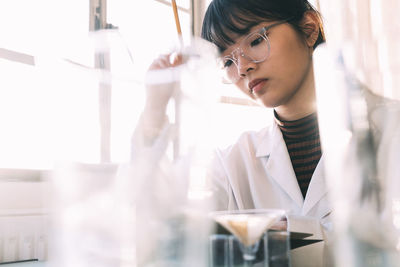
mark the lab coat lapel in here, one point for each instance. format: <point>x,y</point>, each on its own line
<point>279,165</point>
<point>317,188</point>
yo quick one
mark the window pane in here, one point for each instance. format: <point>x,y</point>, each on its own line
<point>148,28</point>
<point>30,101</point>
<point>37,26</point>
<point>50,110</point>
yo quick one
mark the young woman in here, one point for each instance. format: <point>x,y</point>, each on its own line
<point>266,49</point>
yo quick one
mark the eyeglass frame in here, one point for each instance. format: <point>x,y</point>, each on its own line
<point>262,32</point>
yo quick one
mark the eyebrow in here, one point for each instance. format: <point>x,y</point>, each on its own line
<point>234,39</point>
<point>248,30</point>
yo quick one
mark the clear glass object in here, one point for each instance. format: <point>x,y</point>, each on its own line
<point>360,167</point>
<point>169,171</point>
<point>149,212</point>
<point>88,213</point>
<point>98,77</point>
<point>219,249</point>
<point>356,77</point>
<point>248,226</point>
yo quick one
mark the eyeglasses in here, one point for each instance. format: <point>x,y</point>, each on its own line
<point>255,47</point>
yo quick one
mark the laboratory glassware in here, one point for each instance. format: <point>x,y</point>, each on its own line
<point>248,226</point>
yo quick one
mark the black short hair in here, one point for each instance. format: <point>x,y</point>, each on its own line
<point>226,17</point>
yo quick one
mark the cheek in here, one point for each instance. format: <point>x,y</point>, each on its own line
<point>300,52</point>
<point>288,50</point>
<point>290,60</point>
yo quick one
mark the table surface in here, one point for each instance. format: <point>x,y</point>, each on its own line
<point>24,264</point>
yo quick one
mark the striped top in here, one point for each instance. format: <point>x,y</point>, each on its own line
<point>302,141</point>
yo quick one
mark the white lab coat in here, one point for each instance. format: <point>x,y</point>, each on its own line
<point>256,172</point>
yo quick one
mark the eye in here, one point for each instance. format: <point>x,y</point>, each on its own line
<point>227,62</point>
<point>257,41</point>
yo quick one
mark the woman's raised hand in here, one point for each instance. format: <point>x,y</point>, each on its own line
<point>162,80</point>
<point>162,83</point>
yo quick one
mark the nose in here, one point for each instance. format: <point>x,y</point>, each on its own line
<point>245,65</point>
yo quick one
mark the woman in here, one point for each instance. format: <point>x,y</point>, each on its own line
<point>266,49</point>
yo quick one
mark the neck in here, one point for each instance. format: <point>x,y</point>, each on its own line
<point>302,103</point>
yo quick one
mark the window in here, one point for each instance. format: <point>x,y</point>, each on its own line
<point>49,108</point>
<point>31,29</point>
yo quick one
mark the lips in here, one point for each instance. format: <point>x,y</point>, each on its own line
<point>255,85</point>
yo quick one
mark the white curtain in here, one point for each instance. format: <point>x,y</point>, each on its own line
<point>367,31</point>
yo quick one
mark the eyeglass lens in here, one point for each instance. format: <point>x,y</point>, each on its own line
<point>254,48</point>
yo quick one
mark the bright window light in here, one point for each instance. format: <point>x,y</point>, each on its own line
<point>50,110</point>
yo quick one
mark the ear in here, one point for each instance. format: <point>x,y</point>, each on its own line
<point>310,26</point>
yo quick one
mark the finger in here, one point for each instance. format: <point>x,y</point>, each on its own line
<point>175,59</point>
<point>160,62</point>
<point>167,61</point>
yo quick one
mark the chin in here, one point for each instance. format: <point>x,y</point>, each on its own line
<point>268,103</point>
<point>271,99</point>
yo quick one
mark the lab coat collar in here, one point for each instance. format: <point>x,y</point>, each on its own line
<point>317,188</point>
<point>279,165</point>
<point>265,146</point>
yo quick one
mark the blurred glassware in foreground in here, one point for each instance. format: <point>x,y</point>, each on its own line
<point>273,250</point>
<point>85,225</point>
<point>97,98</point>
<point>357,86</point>
<point>248,226</point>
<point>147,211</point>
<point>171,197</point>
<point>358,137</point>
